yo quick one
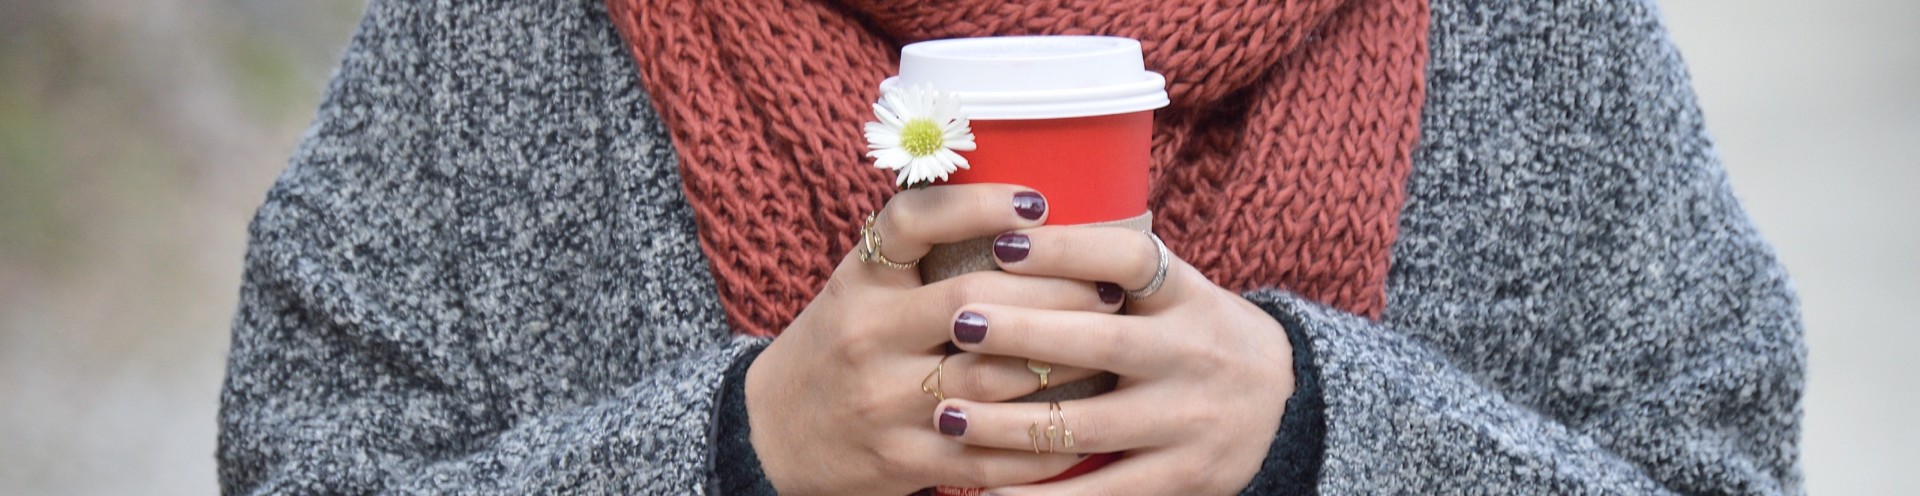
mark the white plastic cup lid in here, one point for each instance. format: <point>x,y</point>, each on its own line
<point>1035,77</point>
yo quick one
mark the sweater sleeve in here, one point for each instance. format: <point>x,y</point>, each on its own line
<point>1292,465</point>
<point>1402,417</point>
<point>736,468</point>
<point>1577,303</point>
<point>477,275</point>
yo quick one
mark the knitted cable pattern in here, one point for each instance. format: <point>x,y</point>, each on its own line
<point>1280,162</point>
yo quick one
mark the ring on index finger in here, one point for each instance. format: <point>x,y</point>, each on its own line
<point>1159,273</point>
<point>934,384</point>
<point>870,246</point>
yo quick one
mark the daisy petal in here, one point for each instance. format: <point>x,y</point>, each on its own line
<point>886,116</point>
<point>890,158</point>
<point>953,158</point>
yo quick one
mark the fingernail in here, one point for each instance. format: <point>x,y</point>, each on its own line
<point>1011,247</point>
<point>969,327</point>
<point>953,422</point>
<point>1109,292</point>
<point>1029,205</point>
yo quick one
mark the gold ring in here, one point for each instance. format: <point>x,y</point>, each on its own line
<point>1066,434</point>
<point>1041,368</point>
<point>870,246</point>
<point>932,384</point>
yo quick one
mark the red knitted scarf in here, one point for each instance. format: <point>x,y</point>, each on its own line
<point>1280,162</point>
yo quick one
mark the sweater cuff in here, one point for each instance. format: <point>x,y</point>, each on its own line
<point>736,467</point>
<point>1293,460</point>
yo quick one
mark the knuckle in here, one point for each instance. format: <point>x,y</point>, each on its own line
<point>1143,262</point>
<point>972,381</point>
<point>989,203</point>
<point>869,406</point>
<point>901,219</point>
<point>856,340</point>
<point>1195,416</point>
<point>973,474</point>
<point>893,461</point>
<point>1114,350</point>
<point>1090,434</point>
<point>1011,333</point>
<point>838,287</point>
<point>1198,351</point>
<point>966,289</point>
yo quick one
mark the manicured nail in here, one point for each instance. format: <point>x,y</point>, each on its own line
<point>1109,292</point>
<point>953,422</point>
<point>1011,247</point>
<point>969,327</point>
<point>1029,205</point>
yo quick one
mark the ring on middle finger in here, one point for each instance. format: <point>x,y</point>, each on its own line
<point>933,383</point>
<point>1159,272</point>
<point>1043,369</point>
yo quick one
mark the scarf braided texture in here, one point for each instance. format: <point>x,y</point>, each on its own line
<point>1281,161</point>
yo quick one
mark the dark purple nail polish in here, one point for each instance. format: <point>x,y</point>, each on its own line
<point>969,327</point>
<point>953,422</point>
<point>1109,292</point>
<point>1011,247</point>
<point>1029,205</point>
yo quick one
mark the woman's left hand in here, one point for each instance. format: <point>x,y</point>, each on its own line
<point>1204,374</point>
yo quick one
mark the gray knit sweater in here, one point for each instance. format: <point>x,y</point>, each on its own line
<point>478,275</point>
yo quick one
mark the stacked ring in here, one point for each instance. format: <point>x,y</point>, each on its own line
<point>1056,431</point>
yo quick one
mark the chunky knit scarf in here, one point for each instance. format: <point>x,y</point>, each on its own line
<point>1280,162</point>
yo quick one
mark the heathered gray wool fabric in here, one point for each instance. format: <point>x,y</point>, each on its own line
<point>1577,304</point>
<point>479,275</point>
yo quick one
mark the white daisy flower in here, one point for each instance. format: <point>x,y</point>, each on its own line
<point>919,130</point>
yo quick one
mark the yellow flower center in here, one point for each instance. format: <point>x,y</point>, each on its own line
<point>921,137</point>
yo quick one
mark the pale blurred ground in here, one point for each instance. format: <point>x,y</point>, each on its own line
<point>137,137</point>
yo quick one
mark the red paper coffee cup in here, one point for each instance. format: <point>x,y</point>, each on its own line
<point>1069,116</point>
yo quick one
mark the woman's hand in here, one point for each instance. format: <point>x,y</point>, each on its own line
<point>1204,374</point>
<point>835,403</point>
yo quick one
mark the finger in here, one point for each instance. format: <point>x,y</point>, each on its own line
<point>1124,256</point>
<point>1108,423</point>
<point>1129,475</point>
<point>1121,344</point>
<point>944,462</point>
<point>993,378</point>
<point>930,308</point>
<point>914,220</point>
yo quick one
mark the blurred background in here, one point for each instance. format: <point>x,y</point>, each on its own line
<point>136,138</point>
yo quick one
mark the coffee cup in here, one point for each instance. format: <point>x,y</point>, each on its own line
<point>1070,117</point>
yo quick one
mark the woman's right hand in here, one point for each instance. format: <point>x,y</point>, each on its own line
<point>835,403</point>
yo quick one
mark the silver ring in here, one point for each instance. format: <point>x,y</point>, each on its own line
<point>1159,273</point>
